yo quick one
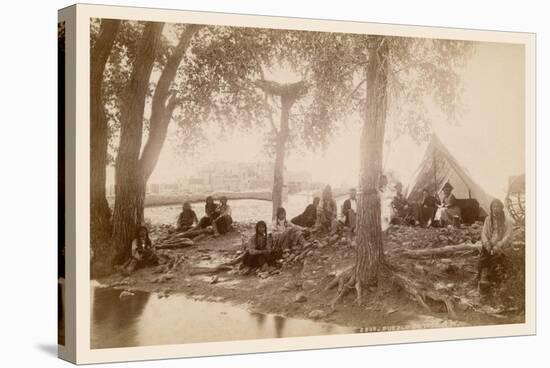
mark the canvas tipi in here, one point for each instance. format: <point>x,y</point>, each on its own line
<point>437,167</point>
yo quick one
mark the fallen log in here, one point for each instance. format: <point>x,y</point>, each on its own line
<point>196,232</point>
<point>209,270</point>
<point>176,244</point>
<point>441,251</point>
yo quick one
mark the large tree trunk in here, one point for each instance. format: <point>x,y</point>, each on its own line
<point>280,153</point>
<point>100,214</point>
<point>128,176</point>
<point>289,94</point>
<point>369,231</point>
<point>161,113</point>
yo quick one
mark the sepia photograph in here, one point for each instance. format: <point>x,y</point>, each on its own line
<point>263,183</point>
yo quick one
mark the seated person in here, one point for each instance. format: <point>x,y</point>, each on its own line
<point>326,212</point>
<point>280,223</point>
<point>495,236</point>
<point>349,209</point>
<point>211,213</point>
<point>448,211</point>
<point>308,217</point>
<point>266,248</point>
<point>401,211</point>
<point>260,250</point>
<point>290,238</point>
<point>427,209</point>
<point>187,218</point>
<point>143,253</point>
<point>386,196</point>
<point>222,224</point>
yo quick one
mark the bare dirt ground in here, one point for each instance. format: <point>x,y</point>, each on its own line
<point>299,288</point>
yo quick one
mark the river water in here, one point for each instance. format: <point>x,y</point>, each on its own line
<point>244,210</point>
<point>144,319</point>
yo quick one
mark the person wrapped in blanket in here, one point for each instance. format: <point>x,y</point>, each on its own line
<point>222,224</point>
<point>495,237</point>
<point>211,211</point>
<point>309,216</point>
<point>327,212</point>
<point>143,253</point>
<point>264,248</point>
<point>187,218</point>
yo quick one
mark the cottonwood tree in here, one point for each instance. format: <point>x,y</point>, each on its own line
<point>145,70</point>
<point>308,109</point>
<point>162,108</point>
<point>127,174</point>
<point>113,46</point>
<point>402,75</point>
<point>100,214</point>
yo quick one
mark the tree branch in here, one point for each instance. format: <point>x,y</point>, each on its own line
<point>356,88</point>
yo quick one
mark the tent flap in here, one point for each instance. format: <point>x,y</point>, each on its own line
<point>437,167</point>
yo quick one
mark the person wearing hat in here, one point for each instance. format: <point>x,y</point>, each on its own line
<point>429,206</point>
<point>349,209</point>
<point>222,224</point>
<point>401,210</point>
<point>448,211</point>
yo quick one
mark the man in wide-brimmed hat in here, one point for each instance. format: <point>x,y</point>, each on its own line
<point>401,211</point>
<point>448,213</point>
<point>428,208</point>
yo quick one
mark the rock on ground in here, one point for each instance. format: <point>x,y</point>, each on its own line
<point>126,294</point>
<point>300,298</point>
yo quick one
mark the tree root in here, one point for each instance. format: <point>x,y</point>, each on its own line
<point>347,282</point>
<point>442,251</point>
<point>421,295</point>
<point>339,280</point>
<point>209,270</point>
<point>234,261</point>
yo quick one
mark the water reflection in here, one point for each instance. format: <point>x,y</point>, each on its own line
<point>144,319</point>
<point>260,319</point>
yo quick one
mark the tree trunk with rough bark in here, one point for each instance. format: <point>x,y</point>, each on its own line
<point>100,214</point>
<point>128,176</point>
<point>369,230</point>
<point>289,94</point>
<point>162,108</point>
<point>280,153</point>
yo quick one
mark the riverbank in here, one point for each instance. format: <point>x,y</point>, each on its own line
<point>158,200</point>
<point>299,288</point>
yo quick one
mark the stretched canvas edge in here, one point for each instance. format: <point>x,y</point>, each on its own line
<point>82,210</point>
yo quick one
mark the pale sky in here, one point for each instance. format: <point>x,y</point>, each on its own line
<point>490,141</point>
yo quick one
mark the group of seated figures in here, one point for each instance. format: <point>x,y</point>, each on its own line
<point>432,211</point>
<point>267,247</point>
<point>217,215</point>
